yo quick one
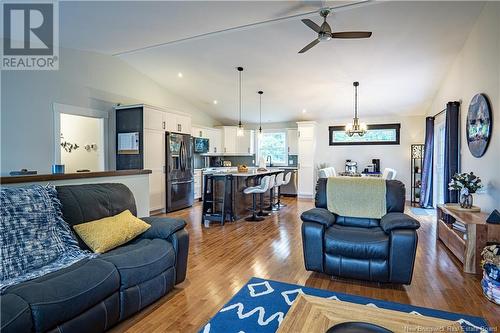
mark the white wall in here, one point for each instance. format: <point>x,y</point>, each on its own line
<point>477,70</point>
<point>391,156</point>
<point>82,131</point>
<point>85,79</point>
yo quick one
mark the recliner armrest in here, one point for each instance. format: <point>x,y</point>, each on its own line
<point>162,227</point>
<point>392,221</point>
<point>319,215</point>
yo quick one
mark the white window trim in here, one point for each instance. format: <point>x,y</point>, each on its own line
<point>278,130</point>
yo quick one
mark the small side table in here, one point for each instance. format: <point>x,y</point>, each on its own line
<point>466,245</point>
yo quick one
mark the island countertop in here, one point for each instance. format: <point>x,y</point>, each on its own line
<point>249,173</point>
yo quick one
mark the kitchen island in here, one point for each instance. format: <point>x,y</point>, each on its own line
<point>225,189</point>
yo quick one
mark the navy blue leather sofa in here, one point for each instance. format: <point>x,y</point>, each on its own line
<point>380,250</point>
<point>95,294</point>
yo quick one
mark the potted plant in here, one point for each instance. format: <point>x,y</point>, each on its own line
<point>467,184</point>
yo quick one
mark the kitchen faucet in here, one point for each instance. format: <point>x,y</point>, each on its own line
<point>270,160</point>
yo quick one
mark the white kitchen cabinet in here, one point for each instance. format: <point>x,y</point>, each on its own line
<point>154,159</point>
<point>214,136</point>
<point>178,123</point>
<point>306,162</point>
<point>229,134</point>
<point>200,132</point>
<point>293,143</point>
<point>245,143</point>
<point>154,119</point>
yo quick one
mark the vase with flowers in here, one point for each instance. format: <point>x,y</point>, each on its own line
<point>467,184</point>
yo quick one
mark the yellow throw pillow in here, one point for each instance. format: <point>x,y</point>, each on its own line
<point>110,232</point>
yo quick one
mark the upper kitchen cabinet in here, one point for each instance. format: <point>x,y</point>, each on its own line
<point>245,143</point>
<point>154,119</point>
<point>229,134</point>
<point>214,136</point>
<point>178,123</point>
<point>293,143</point>
<point>200,132</point>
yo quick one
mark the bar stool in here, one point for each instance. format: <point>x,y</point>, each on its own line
<point>261,212</point>
<point>279,181</point>
<point>254,190</point>
<point>286,180</point>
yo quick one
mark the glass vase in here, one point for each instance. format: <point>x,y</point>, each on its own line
<point>466,201</point>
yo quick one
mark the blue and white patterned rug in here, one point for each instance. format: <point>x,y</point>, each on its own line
<point>261,305</point>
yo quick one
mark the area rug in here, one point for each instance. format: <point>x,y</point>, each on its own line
<point>261,305</point>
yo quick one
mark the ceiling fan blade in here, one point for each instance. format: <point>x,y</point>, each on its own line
<point>308,46</point>
<point>312,25</point>
<point>352,34</point>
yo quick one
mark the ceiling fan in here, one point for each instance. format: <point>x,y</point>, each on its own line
<point>325,31</point>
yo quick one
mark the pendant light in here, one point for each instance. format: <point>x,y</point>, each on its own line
<point>240,131</point>
<point>260,114</point>
<point>355,127</point>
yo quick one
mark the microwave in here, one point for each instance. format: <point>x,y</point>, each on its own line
<point>201,145</point>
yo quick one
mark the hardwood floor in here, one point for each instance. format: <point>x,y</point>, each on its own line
<point>223,258</point>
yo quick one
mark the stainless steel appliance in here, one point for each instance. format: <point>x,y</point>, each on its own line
<point>351,166</point>
<point>180,172</point>
<point>290,189</point>
<point>201,145</point>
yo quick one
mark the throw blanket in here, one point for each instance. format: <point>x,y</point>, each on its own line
<point>356,196</point>
<point>34,239</point>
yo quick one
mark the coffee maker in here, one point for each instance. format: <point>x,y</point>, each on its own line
<point>376,165</point>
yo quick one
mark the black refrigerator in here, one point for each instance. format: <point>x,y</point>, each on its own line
<point>179,173</point>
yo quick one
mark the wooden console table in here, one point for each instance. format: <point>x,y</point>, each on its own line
<point>466,246</point>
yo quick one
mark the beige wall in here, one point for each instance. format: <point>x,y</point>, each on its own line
<point>85,79</point>
<point>391,156</point>
<point>477,70</point>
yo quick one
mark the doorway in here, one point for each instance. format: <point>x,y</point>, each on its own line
<point>80,138</point>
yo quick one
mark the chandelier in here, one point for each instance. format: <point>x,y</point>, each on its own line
<point>355,127</point>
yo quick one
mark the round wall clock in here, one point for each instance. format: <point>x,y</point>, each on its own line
<point>479,125</point>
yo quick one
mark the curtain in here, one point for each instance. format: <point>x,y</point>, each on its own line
<point>451,149</point>
<point>426,189</point>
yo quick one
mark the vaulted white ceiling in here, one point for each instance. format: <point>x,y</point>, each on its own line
<point>399,68</point>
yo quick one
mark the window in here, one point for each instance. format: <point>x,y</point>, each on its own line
<point>383,134</point>
<point>273,143</point>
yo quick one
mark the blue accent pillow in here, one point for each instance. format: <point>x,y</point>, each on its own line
<point>34,239</point>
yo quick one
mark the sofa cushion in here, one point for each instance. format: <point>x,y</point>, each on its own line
<point>162,227</point>
<point>89,202</point>
<point>360,243</point>
<point>141,260</point>
<point>62,295</point>
<point>15,314</point>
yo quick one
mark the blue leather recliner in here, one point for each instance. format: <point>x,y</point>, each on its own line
<point>381,250</point>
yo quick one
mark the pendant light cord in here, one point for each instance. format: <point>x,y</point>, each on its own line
<point>260,111</point>
<point>240,69</point>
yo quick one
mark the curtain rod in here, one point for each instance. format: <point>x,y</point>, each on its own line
<point>440,112</point>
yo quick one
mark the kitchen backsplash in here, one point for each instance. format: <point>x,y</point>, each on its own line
<point>199,161</point>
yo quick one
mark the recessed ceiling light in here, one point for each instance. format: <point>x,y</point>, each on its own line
<point>304,110</point>
<point>179,75</point>
<point>215,101</point>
